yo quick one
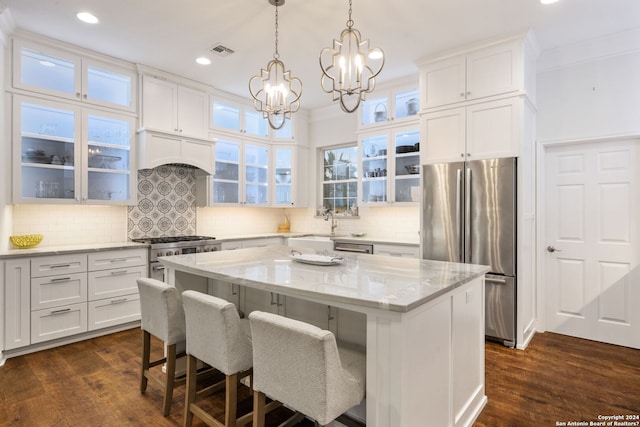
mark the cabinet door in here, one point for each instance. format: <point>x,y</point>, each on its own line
<point>17,304</point>
<point>443,136</point>
<point>284,176</point>
<point>193,107</point>
<point>226,181</point>
<point>375,168</point>
<point>443,82</point>
<point>107,85</point>
<point>406,165</point>
<point>108,157</point>
<point>493,71</point>
<point>159,104</point>
<point>494,129</point>
<point>47,146</point>
<point>46,70</point>
<point>256,174</point>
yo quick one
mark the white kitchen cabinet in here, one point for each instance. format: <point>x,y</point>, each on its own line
<point>490,71</point>
<point>53,291</point>
<point>242,175</point>
<point>289,180</point>
<point>480,130</point>
<point>241,118</point>
<point>112,287</point>
<point>58,264</point>
<point>67,154</point>
<point>17,304</point>
<point>170,107</point>
<point>57,72</point>
<point>390,166</point>
<point>389,106</point>
<point>396,250</point>
<point>58,322</point>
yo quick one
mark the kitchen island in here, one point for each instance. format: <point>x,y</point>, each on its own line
<point>424,322</point>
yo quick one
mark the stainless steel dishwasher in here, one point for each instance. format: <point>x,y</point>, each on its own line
<point>361,248</point>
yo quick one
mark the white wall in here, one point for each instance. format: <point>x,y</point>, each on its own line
<point>591,89</point>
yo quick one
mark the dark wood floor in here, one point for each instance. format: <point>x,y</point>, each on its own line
<point>95,382</point>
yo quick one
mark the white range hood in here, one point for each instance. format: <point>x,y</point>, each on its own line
<point>156,148</point>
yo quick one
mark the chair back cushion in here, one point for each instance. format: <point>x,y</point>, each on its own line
<point>215,333</point>
<point>299,365</point>
<point>161,310</point>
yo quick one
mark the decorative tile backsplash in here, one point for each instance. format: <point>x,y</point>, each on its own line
<point>166,203</point>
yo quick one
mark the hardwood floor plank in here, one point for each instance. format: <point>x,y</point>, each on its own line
<point>95,382</point>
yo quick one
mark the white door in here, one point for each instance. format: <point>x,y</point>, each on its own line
<point>592,230</point>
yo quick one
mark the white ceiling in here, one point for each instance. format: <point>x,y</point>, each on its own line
<point>170,34</point>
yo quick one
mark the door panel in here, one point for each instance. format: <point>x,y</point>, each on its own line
<point>593,241</point>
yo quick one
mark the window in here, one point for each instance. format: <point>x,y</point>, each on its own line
<point>340,179</point>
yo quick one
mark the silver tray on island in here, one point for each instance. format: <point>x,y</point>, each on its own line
<point>316,259</point>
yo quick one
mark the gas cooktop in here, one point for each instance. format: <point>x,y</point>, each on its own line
<point>171,239</point>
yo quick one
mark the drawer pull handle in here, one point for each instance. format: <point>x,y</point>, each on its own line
<point>118,260</point>
<point>64,310</point>
<point>119,273</point>
<point>60,266</point>
<point>118,301</point>
<point>61,279</point>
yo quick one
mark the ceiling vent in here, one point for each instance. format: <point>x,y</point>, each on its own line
<point>221,50</point>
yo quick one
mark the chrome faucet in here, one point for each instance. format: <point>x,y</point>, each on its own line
<point>334,221</point>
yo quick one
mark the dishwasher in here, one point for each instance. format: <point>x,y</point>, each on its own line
<point>361,248</point>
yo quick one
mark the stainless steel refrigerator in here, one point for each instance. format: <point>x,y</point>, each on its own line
<point>469,216</point>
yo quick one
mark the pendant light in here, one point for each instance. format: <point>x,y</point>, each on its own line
<point>350,67</point>
<point>275,93</point>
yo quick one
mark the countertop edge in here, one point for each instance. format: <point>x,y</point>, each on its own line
<point>68,249</point>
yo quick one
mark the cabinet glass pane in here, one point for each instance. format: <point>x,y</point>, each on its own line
<point>226,116</point>
<point>286,131</point>
<point>226,181</point>
<point>283,160</point>
<point>47,152</point>
<point>374,168</point>
<point>407,189</point>
<point>108,158</point>
<point>407,152</point>
<point>107,86</point>
<point>406,103</point>
<point>256,124</point>
<point>256,174</point>
<point>340,180</point>
<point>256,156</point>
<point>47,72</point>
<point>375,110</point>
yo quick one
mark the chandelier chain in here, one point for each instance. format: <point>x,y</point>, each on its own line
<point>350,21</point>
<point>276,55</point>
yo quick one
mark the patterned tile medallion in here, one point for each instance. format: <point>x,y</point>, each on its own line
<point>166,203</point>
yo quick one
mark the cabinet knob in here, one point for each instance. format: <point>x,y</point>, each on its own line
<point>461,154</point>
<point>77,94</point>
<point>468,93</point>
<point>84,96</point>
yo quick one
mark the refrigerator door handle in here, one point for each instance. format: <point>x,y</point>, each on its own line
<point>460,236</point>
<point>467,217</point>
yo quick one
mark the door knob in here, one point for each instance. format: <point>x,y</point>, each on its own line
<point>552,249</point>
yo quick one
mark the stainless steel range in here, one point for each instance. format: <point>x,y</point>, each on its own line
<point>167,246</point>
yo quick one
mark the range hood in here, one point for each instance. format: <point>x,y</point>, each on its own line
<point>157,148</point>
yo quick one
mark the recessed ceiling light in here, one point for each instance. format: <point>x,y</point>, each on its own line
<point>203,61</point>
<point>87,17</point>
<point>548,1</point>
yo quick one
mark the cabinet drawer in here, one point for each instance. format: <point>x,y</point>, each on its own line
<point>58,322</point>
<point>114,311</point>
<point>117,259</point>
<point>54,291</point>
<point>58,264</point>
<point>114,282</point>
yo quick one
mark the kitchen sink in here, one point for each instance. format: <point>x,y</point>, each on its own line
<point>316,242</point>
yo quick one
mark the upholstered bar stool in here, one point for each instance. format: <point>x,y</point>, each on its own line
<point>217,336</point>
<point>163,317</point>
<point>301,366</point>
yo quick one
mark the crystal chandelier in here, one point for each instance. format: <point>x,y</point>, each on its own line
<point>349,67</point>
<point>275,93</point>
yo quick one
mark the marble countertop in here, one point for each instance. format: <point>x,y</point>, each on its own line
<point>69,249</point>
<point>388,283</point>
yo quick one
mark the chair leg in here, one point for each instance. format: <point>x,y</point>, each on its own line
<point>231,400</point>
<point>190,393</point>
<point>146,355</point>
<point>171,377</point>
<point>258,409</point>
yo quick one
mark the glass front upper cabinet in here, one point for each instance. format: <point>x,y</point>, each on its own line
<point>69,155</point>
<point>256,163</point>
<point>407,165</point>
<point>283,175</point>
<point>60,73</point>
<point>237,118</point>
<point>389,106</point>
<point>226,181</point>
<point>375,168</point>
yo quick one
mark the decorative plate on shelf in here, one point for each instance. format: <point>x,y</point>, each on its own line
<point>316,259</point>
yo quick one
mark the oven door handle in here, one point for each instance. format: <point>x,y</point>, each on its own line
<point>158,267</point>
